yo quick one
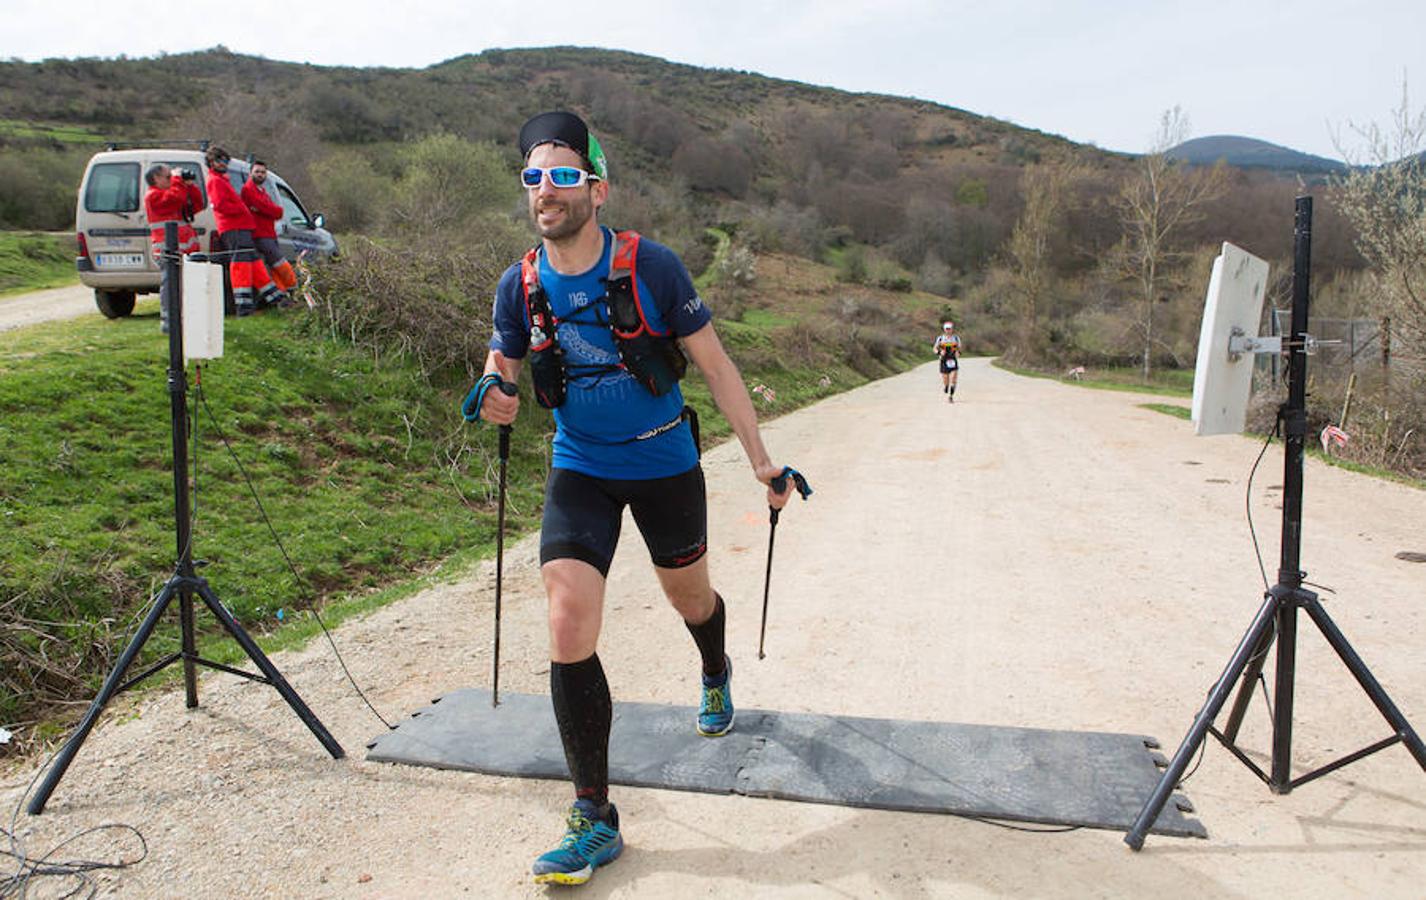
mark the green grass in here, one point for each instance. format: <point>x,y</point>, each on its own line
<point>709,276</point>
<point>1169,409</point>
<point>32,261</point>
<point>68,134</point>
<point>1168,382</point>
<point>763,320</point>
<point>1364,468</point>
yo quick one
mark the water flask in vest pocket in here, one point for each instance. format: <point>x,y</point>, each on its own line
<point>656,363</point>
<point>547,373</point>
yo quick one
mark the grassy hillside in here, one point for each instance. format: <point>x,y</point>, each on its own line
<point>30,261</point>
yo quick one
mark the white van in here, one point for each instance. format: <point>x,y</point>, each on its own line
<point>113,232</point>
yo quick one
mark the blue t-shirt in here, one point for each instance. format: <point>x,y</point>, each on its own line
<point>604,412</point>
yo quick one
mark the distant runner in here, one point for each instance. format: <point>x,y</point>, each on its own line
<point>948,348</point>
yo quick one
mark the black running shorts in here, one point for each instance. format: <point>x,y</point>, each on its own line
<point>583,515</point>
<point>949,364</point>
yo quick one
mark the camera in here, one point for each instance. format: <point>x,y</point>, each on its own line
<point>185,174</point>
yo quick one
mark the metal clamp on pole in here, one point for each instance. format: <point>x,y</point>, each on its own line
<point>1240,343</point>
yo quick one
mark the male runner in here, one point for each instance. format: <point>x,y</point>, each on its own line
<point>948,348</point>
<point>617,443</point>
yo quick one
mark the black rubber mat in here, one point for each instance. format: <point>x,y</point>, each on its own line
<point>1094,779</point>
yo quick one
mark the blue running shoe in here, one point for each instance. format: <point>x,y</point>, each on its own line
<point>589,842</point>
<point>715,713</point>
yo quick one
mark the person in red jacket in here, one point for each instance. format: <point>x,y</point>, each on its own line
<point>266,214</point>
<point>235,231</point>
<point>171,199</point>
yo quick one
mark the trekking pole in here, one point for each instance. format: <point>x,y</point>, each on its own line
<point>508,389</point>
<point>779,484</point>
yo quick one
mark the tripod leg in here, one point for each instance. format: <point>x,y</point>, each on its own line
<point>1216,698</point>
<point>1246,687</point>
<point>1368,682</point>
<point>267,668</point>
<point>106,693</point>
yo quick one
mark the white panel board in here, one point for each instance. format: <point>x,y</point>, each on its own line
<point>202,310</point>
<point>1221,382</point>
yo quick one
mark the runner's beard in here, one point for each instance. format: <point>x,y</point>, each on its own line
<point>577,210</point>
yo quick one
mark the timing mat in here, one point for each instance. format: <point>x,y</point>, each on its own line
<point>1093,779</point>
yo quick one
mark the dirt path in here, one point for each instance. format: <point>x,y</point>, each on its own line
<point>19,310</point>
<point>1033,555</point>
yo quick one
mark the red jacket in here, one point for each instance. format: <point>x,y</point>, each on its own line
<point>229,210</point>
<point>265,212</point>
<point>168,206</point>
<point>177,204</point>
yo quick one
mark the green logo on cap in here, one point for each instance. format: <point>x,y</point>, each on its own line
<point>596,158</point>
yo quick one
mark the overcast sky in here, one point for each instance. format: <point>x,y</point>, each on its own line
<point>1100,72</point>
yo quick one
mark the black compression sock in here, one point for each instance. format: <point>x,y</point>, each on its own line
<point>709,638</point>
<point>584,710</point>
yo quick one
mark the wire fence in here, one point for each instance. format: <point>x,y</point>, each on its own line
<point>1344,347</point>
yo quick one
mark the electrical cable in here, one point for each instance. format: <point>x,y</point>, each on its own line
<point>1257,550</point>
<point>1248,502</point>
<point>307,598</point>
<point>28,868</point>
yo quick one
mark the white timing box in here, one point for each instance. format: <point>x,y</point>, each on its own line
<point>202,310</point>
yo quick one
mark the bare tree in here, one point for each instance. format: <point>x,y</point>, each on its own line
<point>1384,196</point>
<point>1157,200</point>
<point>1045,188</point>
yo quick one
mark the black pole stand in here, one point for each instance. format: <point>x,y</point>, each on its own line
<point>1280,604</point>
<point>184,583</point>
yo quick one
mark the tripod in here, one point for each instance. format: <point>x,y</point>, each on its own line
<point>1280,604</point>
<point>184,583</point>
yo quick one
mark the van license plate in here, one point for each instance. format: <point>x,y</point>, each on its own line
<point>120,260</point>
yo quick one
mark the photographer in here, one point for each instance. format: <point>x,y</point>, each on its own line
<point>171,199</point>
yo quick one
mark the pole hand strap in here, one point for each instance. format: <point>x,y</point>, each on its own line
<point>470,407</point>
<point>779,484</point>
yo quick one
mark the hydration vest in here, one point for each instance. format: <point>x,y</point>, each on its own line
<point>652,357</point>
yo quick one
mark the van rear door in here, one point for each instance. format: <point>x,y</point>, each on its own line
<point>117,233</point>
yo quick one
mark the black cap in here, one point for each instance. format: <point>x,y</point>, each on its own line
<point>566,129</point>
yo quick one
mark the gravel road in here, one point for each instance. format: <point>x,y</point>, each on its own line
<point>70,302</point>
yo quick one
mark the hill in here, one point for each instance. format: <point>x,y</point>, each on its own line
<point>730,137</point>
<point>1251,153</point>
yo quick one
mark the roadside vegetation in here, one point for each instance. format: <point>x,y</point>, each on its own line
<point>31,261</point>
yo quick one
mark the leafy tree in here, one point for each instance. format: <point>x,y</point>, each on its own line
<point>1045,188</point>
<point>1158,199</point>
<point>1386,201</point>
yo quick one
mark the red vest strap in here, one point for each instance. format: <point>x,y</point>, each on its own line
<point>626,251</point>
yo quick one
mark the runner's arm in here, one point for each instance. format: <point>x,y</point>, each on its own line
<point>731,395</point>
<point>499,407</point>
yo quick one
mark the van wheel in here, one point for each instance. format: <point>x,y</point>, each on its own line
<point>230,306</point>
<point>114,304</point>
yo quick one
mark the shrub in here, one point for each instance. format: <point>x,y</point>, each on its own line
<point>447,180</point>
<point>428,300</point>
<point>353,193</point>
<point>738,266</point>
